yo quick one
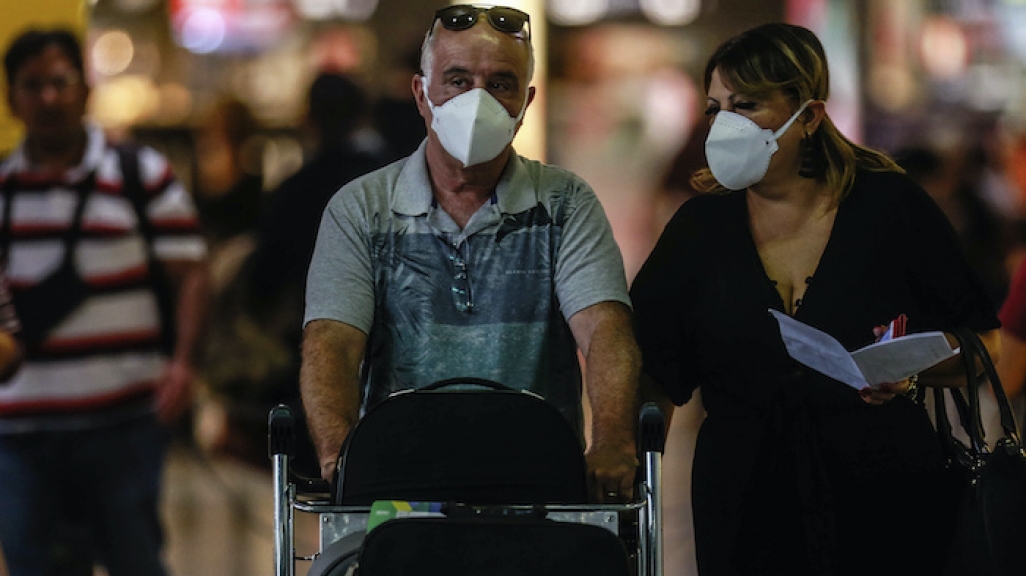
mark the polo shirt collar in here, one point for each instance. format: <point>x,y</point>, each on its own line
<point>96,142</point>
<point>412,196</point>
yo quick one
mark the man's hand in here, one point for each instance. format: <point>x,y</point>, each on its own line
<point>611,472</point>
<point>174,391</point>
<point>612,365</point>
<point>328,468</point>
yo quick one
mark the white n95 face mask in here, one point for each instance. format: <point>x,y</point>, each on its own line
<point>739,151</point>
<point>473,127</point>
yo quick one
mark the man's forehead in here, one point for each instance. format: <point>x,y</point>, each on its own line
<point>456,46</point>
<point>51,56</point>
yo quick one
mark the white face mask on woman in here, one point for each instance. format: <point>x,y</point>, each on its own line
<point>473,127</point>
<point>739,151</point>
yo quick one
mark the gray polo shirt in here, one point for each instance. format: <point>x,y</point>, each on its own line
<point>489,301</point>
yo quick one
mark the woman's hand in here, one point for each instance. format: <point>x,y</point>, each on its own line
<point>884,392</point>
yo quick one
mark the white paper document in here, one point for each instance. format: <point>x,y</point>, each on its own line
<point>879,363</point>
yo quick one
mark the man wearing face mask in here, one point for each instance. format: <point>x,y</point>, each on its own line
<point>468,260</point>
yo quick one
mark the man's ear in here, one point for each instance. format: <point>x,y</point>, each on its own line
<point>419,95</point>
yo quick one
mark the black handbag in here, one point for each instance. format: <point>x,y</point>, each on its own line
<point>44,305</point>
<point>991,525</point>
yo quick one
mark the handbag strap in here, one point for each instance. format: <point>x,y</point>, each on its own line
<point>1008,424</point>
<point>972,420</point>
<point>968,412</point>
<point>973,350</point>
<point>71,234</point>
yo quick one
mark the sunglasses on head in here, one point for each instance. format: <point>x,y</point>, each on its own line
<point>502,18</point>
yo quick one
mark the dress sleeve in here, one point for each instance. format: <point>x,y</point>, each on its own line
<point>946,285</point>
<point>660,298</point>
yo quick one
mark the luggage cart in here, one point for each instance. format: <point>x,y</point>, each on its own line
<point>494,472</point>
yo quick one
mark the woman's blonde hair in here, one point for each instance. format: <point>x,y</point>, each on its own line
<point>790,59</point>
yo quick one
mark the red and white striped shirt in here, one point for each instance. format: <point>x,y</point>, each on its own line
<point>100,364</point>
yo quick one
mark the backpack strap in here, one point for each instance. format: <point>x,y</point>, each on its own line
<point>71,234</point>
<point>134,190</point>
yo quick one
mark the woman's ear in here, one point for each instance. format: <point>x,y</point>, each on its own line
<point>813,115</point>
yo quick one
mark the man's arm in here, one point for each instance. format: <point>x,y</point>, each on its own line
<point>604,335</point>
<point>330,386</point>
<point>191,280</point>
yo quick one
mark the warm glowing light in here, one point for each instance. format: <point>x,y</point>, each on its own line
<point>134,5</point>
<point>353,10</point>
<point>315,9</point>
<point>174,104</point>
<point>892,87</point>
<point>112,52</point>
<point>358,10</point>
<point>577,12</point>
<point>671,12</point>
<point>944,48</point>
<point>123,101</point>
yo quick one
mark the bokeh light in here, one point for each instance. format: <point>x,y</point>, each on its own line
<point>671,12</point>
<point>577,12</point>
<point>112,52</point>
<point>944,47</point>
<point>203,30</point>
<point>124,100</point>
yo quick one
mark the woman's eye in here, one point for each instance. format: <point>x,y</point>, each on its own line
<point>712,110</point>
<point>745,105</point>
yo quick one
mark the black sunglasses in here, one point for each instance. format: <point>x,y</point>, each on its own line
<point>502,18</point>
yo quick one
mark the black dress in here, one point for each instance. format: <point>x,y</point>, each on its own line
<point>793,472</point>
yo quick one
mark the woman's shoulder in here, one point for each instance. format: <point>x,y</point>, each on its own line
<point>887,188</point>
<point>885,184</point>
<point>710,207</point>
<point>702,215</point>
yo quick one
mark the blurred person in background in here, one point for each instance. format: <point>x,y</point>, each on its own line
<point>266,297</point>
<point>82,436</point>
<point>796,473</point>
<point>336,108</point>
<point>228,184</point>
<point>396,117</point>
<point>953,181</point>
<point>229,195</point>
<point>467,260</point>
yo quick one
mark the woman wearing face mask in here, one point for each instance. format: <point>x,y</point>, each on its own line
<point>794,472</point>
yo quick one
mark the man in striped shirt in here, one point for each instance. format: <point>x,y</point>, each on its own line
<point>81,441</point>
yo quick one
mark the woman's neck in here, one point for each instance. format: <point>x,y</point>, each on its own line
<point>785,209</point>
